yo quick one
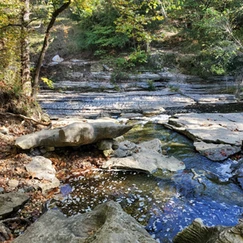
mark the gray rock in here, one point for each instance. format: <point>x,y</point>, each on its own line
<point>154,145</point>
<point>4,130</point>
<point>210,127</point>
<point>213,128</point>
<point>198,232</point>
<point>13,183</point>
<point>145,156</point>
<point>105,144</point>
<point>237,172</point>
<point>216,152</point>
<point>146,76</point>
<point>11,202</point>
<point>107,223</point>
<point>76,134</point>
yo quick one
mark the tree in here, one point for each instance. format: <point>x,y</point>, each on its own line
<point>9,43</point>
<point>58,8</point>
<point>138,20</point>
<point>25,54</point>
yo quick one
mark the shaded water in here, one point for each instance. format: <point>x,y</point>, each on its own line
<point>165,202</point>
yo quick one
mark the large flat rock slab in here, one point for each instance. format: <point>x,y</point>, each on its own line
<point>72,103</point>
<point>145,156</point>
<point>210,127</point>
<point>216,135</point>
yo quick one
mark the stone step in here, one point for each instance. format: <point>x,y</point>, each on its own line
<point>71,103</point>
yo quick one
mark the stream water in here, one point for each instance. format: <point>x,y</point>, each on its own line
<point>164,202</point>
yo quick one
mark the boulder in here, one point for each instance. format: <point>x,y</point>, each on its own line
<point>75,134</point>
<point>145,156</point>
<point>107,223</point>
<point>11,202</point>
<point>198,232</point>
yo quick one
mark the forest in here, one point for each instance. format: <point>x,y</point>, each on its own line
<point>208,34</point>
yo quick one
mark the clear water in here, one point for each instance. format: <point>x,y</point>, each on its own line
<point>165,202</point>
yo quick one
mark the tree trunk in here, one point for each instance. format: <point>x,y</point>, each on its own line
<point>35,86</point>
<point>25,55</point>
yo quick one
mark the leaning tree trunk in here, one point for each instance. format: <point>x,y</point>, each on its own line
<point>25,54</point>
<point>35,86</point>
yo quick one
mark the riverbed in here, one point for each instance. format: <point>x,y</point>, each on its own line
<point>165,202</point>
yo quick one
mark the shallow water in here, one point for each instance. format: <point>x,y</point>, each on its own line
<point>165,202</point>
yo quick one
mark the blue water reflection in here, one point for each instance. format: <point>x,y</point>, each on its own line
<point>178,213</point>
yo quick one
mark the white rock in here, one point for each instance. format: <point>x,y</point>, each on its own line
<point>57,59</point>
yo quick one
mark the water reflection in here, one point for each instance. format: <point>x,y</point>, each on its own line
<point>180,212</point>
<point>172,143</point>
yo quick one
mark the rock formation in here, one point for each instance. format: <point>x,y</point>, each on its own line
<point>107,223</point>
<point>198,232</point>
<point>145,156</point>
<point>75,134</point>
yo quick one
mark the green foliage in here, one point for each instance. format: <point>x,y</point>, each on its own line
<point>138,57</point>
<point>212,29</point>
<point>98,31</point>
<point>216,59</point>
<point>48,82</point>
<point>119,24</point>
<point>138,20</point>
<point>151,86</point>
<point>102,38</point>
<point>10,42</point>
<point>173,88</point>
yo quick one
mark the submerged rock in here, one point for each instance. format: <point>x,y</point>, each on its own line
<point>75,134</point>
<point>107,223</point>
<point>198,232</point>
